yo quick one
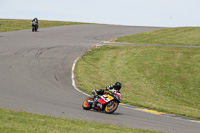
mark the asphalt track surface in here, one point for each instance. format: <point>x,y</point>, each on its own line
<point>36,76</point>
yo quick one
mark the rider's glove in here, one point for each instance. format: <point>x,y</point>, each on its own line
<point>109,87</point>
<point>94,92</point>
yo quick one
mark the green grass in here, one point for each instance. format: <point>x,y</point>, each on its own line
<point>161,78</point>
<point>168,36</point>
<point>21,122</point>
<point>15,24</point>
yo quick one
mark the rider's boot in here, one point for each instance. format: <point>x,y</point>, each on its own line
<point>95,101</point>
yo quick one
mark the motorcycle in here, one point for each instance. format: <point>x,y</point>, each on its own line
<point>108,102</point>
<point>34,26</point>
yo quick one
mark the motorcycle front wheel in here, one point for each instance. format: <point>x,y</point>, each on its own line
<point>111,107</point>
<point>33,29</point>
<point>36,28</point>
<point>86,105</point>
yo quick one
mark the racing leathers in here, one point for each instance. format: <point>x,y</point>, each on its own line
<point>108,88</point>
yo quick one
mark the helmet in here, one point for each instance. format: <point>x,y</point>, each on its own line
<point>117,86</point>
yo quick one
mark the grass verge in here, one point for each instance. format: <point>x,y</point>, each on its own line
<point>21,122</point>
<point>168,36</point>
<point>16,24</point>
<point>161,78</point>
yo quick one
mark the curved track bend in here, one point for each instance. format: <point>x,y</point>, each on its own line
<point>36,76</point>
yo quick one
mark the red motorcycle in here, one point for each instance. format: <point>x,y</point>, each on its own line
<point>107,102</point>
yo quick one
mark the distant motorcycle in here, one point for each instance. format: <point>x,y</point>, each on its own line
<point>34,26</point>
<point>108,102</point>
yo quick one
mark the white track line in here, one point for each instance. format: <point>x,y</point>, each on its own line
<point>73,80</point>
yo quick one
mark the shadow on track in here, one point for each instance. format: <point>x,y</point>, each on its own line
<point>115,113</point>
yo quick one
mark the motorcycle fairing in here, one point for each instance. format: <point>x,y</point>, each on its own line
<point>105,99</point>
<point>117,94</point>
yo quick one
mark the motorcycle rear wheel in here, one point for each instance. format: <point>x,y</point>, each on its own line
<point>111,107</point>
<point>86,105</point>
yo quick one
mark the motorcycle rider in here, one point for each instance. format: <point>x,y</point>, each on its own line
<point>37,22</point>
<point>112,88</point>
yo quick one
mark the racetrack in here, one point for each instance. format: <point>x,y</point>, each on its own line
<point>36,76</point>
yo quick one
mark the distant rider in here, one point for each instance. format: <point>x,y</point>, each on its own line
<point>37,22</point>
<point>112,88</point>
